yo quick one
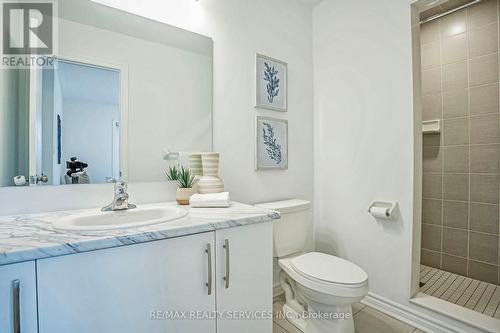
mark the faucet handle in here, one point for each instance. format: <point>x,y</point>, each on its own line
<point>111,180</point>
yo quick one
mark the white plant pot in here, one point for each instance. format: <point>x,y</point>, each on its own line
<point>183,194</point>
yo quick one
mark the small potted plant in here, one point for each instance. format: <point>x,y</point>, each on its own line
<point>172,174</point>
<point>185,181</point>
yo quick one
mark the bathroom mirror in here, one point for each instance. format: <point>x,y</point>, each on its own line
<point>124,91</point>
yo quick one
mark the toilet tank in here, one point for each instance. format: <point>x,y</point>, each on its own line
<point>293,232</point>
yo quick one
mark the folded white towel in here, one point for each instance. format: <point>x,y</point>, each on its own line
<point>213,200</point>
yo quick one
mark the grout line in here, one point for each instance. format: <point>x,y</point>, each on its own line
<point>461,201</point>
<point>472,144</point>
<point>498,64</point>
<point>467,58</point>
<point>456,277</point>
<point>467,37</point>
<point>441,142</point>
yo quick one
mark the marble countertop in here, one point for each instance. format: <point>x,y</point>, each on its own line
<point>30,237</point>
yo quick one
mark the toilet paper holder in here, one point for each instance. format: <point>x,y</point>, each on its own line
<point>383,209</point>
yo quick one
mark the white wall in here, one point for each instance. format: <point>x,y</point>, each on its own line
<point>364,136</point>
<point>239,28</point>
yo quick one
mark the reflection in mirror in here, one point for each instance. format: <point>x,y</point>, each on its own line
<point>82,102</point>
<point>125,90</point>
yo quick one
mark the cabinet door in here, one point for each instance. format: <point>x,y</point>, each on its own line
<point>133,289</point>
<point>18,298</point>
<point>245,278</point>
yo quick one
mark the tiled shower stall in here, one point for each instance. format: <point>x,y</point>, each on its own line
<point>461,180</point>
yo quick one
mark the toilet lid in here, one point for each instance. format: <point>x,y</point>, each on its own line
<point>329,268</point>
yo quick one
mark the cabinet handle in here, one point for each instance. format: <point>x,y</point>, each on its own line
<point>208,251</point>
<point>16,320</point>
<point>226,276</point>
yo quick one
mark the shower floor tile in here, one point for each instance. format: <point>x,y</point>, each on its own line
<point>472,294</point>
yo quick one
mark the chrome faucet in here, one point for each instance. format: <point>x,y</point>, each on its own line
<point>120,202</point>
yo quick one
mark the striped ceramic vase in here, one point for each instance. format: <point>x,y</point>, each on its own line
<point>210,181</point>
<point>195,164</point>
<point>196,168</point>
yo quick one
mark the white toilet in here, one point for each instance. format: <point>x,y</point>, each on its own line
<point>319,288</point>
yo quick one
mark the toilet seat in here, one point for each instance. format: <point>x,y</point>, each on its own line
<point>328,268</point>
<point>326,274</point>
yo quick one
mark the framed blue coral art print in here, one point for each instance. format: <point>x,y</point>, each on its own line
<point>272,144</point>
<point>271,83</point>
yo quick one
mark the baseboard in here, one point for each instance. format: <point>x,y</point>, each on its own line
<point>410,316</point>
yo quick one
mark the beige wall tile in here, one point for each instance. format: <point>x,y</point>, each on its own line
<point>433,139</point>
<point>431,81</point>
<point>484,129</point>
<point>483,70</point>
<point>429,32</point>
<point>483,247</point>
<point>431,56</point>
<point>485,158</point>
<point>455,242</point>
<point>455,214</point>
<point>454,48</point>
<point>484,188</point>
<point>456,131</point>
<point>432,211</point>
<point>431,237</point>
<point>432,186</point>
<point>432,159</point>
<point>430,258</point>
<point>455,75</point>
<point>484,99</point>
<point>453,24</point>
<point>482,13</point>
<point>483,272</point>
<point>456,103</point>
<point>454,264</point>
<point>456,159</point>
<point>431,107</point>
<point>483,40</point>
<point>456,187</point>
<point>484,217</point>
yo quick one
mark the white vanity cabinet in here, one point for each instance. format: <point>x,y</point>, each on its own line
<point>221,278</point>
<point>244,278</point>
<point>124,289</point>
<point>18,313</point>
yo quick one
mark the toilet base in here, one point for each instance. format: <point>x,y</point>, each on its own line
<point>294,318</point>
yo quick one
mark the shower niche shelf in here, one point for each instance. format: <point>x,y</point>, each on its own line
<point>431,126</point>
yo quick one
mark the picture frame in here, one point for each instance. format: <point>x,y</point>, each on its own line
<point>271,83</point>
<point>271,150</point>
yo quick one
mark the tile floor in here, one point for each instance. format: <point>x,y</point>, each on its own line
<point>366,320</point>
<point>472,294</point>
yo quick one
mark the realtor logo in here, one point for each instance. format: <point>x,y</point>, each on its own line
<point>28,33</point>
<point>27,28</point>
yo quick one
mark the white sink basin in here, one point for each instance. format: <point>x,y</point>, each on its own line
<point>98,220</point>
